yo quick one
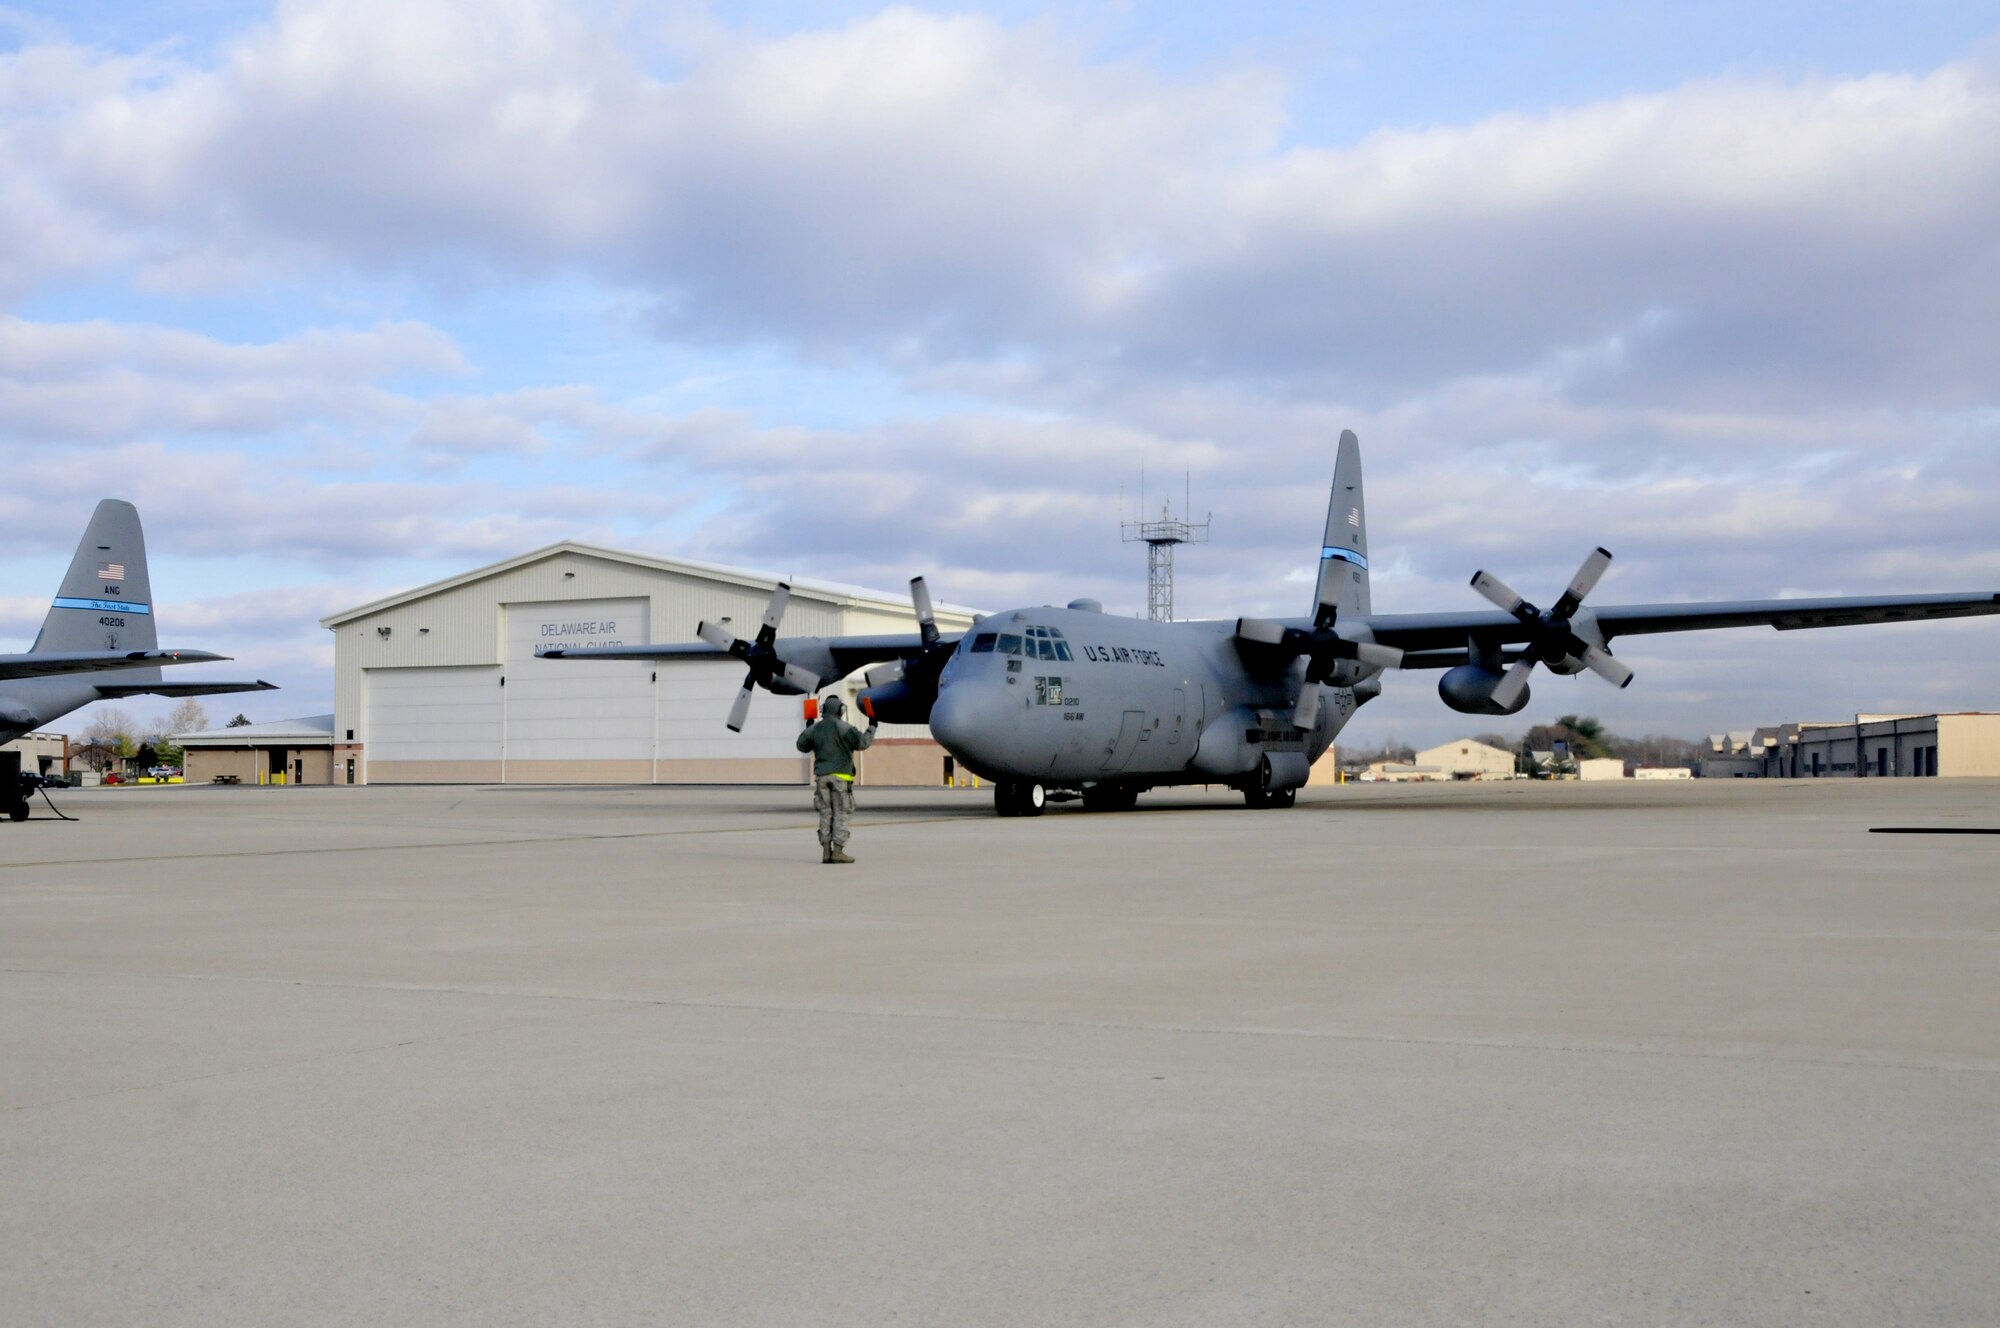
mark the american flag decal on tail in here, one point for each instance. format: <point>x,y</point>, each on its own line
<point>111,572</point>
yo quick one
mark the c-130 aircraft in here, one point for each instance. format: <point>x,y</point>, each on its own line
<point>1075,702</point>
<point>97,643</point>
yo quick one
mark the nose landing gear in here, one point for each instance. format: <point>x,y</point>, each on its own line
<point>1022,799</point>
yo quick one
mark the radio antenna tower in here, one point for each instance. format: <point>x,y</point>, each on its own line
<point>1160,537</point>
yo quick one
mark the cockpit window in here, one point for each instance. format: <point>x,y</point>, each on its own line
<point>982,644</point>
<point>1046,643</point>
<point>1010,644</point>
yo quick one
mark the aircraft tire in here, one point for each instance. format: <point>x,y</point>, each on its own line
<point>1261,794</point>
<point>1019,799</point>
<point>18,812</point>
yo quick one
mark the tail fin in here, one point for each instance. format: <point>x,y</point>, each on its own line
<point>1343,554</point>
<point>106,600</point>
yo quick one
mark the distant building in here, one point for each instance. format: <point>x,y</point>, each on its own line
<point>1663,772</point>
<point>1601,767</point>
<point>1401,772</point>
<point>1869,746</point>
<point>283,751</point>
<point>41,753</point>
<point>1466,759</point>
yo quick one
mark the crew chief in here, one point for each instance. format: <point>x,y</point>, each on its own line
<point>833,744</point>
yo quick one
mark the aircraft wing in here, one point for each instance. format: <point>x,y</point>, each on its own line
<point>1437,640</point>
<point>829,657</point>
<point>114,690</point>
<point>45,663</point>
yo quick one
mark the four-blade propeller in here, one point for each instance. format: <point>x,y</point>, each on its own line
<point>1324,650</point>
<point>762,657</point>
<point>902,690</point>
<point>1552,640</point>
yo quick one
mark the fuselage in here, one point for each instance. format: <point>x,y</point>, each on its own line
<point>1074,697</point>
<point>27,704</point>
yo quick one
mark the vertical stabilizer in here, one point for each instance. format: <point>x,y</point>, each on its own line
<point>1343,554</point>
<point>106,600</point>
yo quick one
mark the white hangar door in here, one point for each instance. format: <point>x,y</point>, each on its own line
<point>433,725</point>
<point>696,746</point>
<point>577,722</point>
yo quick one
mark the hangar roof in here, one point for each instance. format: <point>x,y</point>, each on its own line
<point>308,731</point>
<point>828,591</point>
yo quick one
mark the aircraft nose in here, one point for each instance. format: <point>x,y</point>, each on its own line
<point>965,719</point>
<point>955,717</point>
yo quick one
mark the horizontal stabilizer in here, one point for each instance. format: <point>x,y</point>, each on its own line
<point>45,663</point>
<point>115,690</point>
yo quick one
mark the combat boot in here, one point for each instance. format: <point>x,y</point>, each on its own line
<point>826,853</point>
<point>837,855</point>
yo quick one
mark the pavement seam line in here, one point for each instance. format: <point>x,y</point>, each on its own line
<point>552,837</point>
<point>1018,1021</point>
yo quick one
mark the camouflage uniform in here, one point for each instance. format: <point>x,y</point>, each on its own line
<point>833,744</point>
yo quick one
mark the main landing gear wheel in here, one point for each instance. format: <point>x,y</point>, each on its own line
<point>1261,794</point>
<point>1110,798</point>
<point>1019,799</point>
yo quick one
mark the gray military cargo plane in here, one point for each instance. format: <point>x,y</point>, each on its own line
<point>1076,702</point>
<point>100,624</point>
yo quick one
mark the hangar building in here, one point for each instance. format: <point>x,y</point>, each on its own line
<point>440,684</point>
<point>282,751</point>
<point>1868,746</point>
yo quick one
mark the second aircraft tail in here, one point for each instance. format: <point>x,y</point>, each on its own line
<point>106,599</point>
<point>1343,554</point>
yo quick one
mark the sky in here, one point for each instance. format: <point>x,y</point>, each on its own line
<point>350,296</point>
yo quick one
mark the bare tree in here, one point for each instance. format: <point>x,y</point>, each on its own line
<point>113,729</point>
<point>187,717</point>
<point>1389,749</point>
<point>96,755</point>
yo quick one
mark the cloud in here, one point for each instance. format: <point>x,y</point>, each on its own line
<point>105,382</point>
<point>1736,329</point>
<point>929,191</point>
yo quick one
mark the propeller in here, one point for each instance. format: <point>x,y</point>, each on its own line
<point>1324,650</point>
<point>920,600</point>
<point>902,689</point>
<point>1551,640</point>
<point>761,654</point>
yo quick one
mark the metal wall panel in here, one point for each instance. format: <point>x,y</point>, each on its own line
<point>561,711</point>
<point>695,696</point>
<point>438,714</point>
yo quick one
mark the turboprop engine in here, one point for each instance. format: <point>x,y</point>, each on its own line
<point>902,691</point>
<point>1469,688</point>
<point>1564,640</point>
<point>890,697</point>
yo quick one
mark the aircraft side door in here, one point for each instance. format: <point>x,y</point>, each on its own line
<point>1131,725</point>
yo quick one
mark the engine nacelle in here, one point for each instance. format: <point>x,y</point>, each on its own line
<point>1468,689</point>
<point>898,702</point>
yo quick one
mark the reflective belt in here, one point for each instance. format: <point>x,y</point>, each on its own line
<point>848,778</point>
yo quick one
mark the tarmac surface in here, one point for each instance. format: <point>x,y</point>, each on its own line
<point>1706,1053</point>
